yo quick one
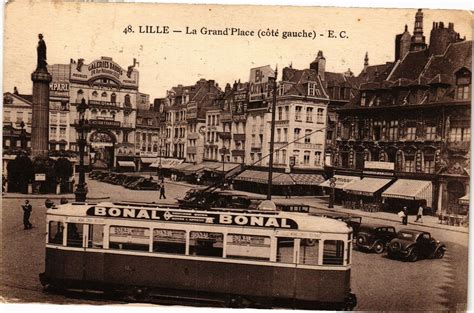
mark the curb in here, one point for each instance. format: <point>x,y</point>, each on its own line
<point>392,220</point>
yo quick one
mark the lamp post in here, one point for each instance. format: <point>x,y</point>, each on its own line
<point>332,184</point>
<point>272,135</point>
<point>223,162</point>
<point>81,188</point>
<point>23,136</point>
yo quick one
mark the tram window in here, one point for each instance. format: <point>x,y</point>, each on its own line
<point>285,249</point>
<point>74,234</point>
<point>333,253</point>
<point>129,238</point>
<point>96,236</point>
<point>205,243</point>
<point>248,247</point>
<point>55,232</point>
<point>169,241</point>
<point>309,251</point>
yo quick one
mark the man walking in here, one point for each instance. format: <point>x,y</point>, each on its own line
<point>162,190</point>
<point>405,216</point>
<point>26,214</point>
<point>419,215</point>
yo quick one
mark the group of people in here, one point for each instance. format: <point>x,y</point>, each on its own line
<point>404,215</point>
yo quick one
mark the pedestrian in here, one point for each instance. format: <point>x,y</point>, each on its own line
<point>162,191</point>
<point>405,217</point>
<point>288,192</point>
<point>419,215</point>
<point>27,208</point>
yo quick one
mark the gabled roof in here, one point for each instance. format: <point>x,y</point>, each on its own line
<point>456,56</point>
<point>410,66</point>
<point>376,73</point>
<point>22,99</point>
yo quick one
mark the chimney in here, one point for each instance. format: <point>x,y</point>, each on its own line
<point>366,61</point>
<point>319,64</point>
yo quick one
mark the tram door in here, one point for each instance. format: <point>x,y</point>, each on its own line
<point>284,276</point>
<point>93,262</point>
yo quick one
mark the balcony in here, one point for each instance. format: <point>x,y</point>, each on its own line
<point>256,147</point>
<point>459,147</point>
<point>238,152</point>
<point>225,135</point>
<point>127,125</point>
<point>239,137</point>
<point>316,146</point>
<point>226,117</point>
<point>282,123</point>
<point>191,150</point>
<point>97,103</point>
<point>193,136</point>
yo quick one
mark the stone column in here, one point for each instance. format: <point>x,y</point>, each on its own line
<point>40,117</point>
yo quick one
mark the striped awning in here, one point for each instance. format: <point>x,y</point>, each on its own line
<point>253,176</point>
<point>210,166</point>
<point>367,186</point>
<point>464,200</point>
<point>183,166</point>
<point>193,169</point>
<point>147,160</point>
<point>227,167</point>
<point>126,163</point>
<point>262,177</point>
<point>410,189</point>
<point>341,181</point>
<point>307,179</point>
<point>166,163</point>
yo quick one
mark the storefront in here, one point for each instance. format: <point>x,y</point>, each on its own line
<point>341,181</point>
<point>409,193</point>
<point>366,193</point>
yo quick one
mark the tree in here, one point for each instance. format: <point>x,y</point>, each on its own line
<point>63,171</point>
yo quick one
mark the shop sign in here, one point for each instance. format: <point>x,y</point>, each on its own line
<point>259,82</point>
<point>389,166</point>
<point>40,177</point>
<point>104,67</point>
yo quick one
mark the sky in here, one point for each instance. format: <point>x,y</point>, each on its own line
<point>92,30</point>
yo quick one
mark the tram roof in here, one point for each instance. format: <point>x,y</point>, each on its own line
<point>140,211</point>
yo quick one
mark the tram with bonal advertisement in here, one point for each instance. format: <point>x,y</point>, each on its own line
<point>222,257</point>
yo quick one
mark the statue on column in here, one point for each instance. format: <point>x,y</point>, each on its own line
<point>41,51</point>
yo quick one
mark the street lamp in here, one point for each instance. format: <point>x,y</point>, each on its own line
<point>23,136</point>
<point>81,128</point>
<point>223,162</point>
<point>332,184</point>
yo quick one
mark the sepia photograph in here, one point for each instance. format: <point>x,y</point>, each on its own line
<point>235,156</point>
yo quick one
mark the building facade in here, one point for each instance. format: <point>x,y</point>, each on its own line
<point>412,123</point>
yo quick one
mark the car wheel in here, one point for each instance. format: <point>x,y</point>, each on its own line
<point>379,247</point>
<point>360,241</point>
<point>439,254</point>
<point>413,256</point>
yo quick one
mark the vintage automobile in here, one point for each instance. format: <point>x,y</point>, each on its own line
<point>413,244</point>
<point>374,237</point>
<point>353,221</point>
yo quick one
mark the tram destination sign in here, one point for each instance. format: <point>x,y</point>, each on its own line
<point>194,217</point>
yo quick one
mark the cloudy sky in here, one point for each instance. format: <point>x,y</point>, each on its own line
<point>92,30</point>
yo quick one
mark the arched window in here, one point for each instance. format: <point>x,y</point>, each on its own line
<point>104,95</point>
<point>95,94</point>
<point>113,97</point>
<point>127,100</point>
<point>113,113</point>
<point>103,113</point>
<point>93,113</point>
<point>155,148</point>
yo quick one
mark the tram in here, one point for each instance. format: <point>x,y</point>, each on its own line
<point>233,258</point>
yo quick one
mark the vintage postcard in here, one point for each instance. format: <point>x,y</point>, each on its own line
<point>236,156</point>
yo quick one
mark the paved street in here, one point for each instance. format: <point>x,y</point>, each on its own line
<point>378,282</point>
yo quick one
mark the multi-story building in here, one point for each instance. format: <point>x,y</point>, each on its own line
<point>17,114</point>
<point>408,129</point>
<point>111,93</point>
<point>148,144</point>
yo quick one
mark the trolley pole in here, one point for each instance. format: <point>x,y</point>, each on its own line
<point>272,137</point>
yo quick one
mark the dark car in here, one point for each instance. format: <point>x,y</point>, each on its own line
<point>413,245</point>
<point>373,237</point>
<point>353,221</point>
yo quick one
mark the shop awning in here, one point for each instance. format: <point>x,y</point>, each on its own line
<point>253,176</point>
<point>166,163</point>
<point>464,200</point>
<point>148,160</point>
<point>281,179</point>
<point>193,169</point>
<point>227,167</point>
<point>410,189</point>
<point>307,179</point>
<point>341,181</point>
<point>182,166</point>
<point>367,186</point>
<point>126,163</point>
<point>210,166</point>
